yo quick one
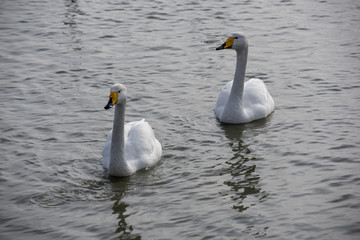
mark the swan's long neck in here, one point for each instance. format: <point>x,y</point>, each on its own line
<point>118,165</point>
<point>237,89</point>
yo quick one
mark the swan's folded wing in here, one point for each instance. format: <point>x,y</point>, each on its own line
<point>141,146</point>
<point>257,99</point>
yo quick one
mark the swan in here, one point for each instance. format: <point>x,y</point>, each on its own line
<point>129,147</point>
<point>240,101</point>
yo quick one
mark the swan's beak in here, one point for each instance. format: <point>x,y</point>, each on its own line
<point>112,100</point>
<point>227,44</point>
<point>221,47</point>
<point>109,104</point>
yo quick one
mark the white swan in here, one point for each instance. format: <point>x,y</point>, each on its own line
<point>240,101</point>
<point>129,147</point>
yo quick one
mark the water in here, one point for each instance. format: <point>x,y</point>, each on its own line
<point>293,175</point>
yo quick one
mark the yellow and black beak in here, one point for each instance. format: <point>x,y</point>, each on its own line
<point>112,100</point>
<point>227,44</point>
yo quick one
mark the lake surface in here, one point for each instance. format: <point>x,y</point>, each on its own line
<point>293,175</point>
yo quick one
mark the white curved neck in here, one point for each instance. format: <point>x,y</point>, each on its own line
<point>118,165</point>
<point>237,89</point>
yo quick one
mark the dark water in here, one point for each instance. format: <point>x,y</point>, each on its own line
<point>293,175</point>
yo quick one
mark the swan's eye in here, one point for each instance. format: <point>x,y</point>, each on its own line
<point>235,37</point>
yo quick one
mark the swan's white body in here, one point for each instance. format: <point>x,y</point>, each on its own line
<point>240,101</point>
<point>129,147</point>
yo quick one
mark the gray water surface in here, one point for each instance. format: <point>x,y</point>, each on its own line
<point>293,175</point>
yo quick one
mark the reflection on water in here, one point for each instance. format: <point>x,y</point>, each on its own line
<point>72,11</point>
<point>123,229</point>
<point>70,19</point>
<point>244,183</point>
<point>119,188</point>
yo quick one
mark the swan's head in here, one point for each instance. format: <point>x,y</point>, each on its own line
<point>236,41</point>
<point>117,95</point>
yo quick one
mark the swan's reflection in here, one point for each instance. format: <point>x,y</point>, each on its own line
<point>119,188</point>
<point>244,183</point>
<point>72,12</point>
